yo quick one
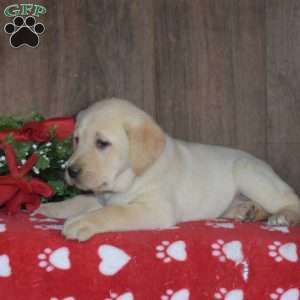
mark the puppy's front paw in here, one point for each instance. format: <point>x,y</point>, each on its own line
<point>48,210</point>
<point>78,229</point>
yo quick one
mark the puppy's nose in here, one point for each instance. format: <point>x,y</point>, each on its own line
<point>74,171</point>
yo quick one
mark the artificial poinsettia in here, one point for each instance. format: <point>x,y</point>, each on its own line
<point>16,188</point>
<point>38,150</point>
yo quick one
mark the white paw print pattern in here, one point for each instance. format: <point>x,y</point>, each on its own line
<point>290,294</point>
<point>46,226</point>
<point>67,298</point>
<point>231,250</point>
<point>223,294</point>
<point>2,227</point>
<point>283,229</point>
<point>182,294</point>
<point>225,225</point>
<point>5,269</point>
<point>125,296</point>
<point>113,259</point>
<point>280,252</point>
<point>49,226</point>
<point>41,220</point>
<point>167,251</point>
<point>57,259</point>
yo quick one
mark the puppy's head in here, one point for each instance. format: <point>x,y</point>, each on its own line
<point>114,142</point>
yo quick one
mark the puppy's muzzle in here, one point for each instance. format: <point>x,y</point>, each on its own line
<point>74,171</point>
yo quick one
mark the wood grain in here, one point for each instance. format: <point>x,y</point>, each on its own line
<point>283,77</point>
<point>214,71</point>
<point>283,48</point>
<point>249,73</point>
<point>193,78</point>
<point>90,50</point>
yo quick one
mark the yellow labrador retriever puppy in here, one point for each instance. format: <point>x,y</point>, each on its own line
<point>144,179</point>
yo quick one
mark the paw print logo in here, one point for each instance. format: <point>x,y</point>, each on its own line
<point>183,294</point>
<point>280,252</point>
<point>290,294</point>
<point>24,31</point>
<point>167,251</point>
<point>223,294</point>
<point>57,259</point>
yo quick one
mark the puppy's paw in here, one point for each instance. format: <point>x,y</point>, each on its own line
<point>278,220</point>
<point>78,229</point>
<point>49,210</point>
<point>246,211</point>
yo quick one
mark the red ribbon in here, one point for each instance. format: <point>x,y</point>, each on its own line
<point>41,131</point>
<point>16,189</point>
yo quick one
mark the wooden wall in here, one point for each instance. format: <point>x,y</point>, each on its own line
<point>215,71</point>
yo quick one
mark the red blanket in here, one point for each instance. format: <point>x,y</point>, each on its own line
<point>216,260</point>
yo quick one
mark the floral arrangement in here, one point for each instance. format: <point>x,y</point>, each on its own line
<point>33,155</point>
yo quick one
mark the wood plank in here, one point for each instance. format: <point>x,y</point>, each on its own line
<point>285,158</point>
<point>283,41</point>
<point>194,95</point>
<point>38,79</point>
<point>204,68</point>
<point>90,50</point>
<point>249,72</point>
<point>18,73</point>
<point>283,48</point>
<point>121,46</point>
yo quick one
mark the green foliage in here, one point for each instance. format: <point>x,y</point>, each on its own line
<point>9,123</point>
<point>53,156</point>
<point>18,122</point>
<point>43,163</point>
<point>35,117</point>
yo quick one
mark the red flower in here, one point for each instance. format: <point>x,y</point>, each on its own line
<point>16,189</point>
<point>40,131</point>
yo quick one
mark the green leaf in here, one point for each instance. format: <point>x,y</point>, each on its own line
<point>43,163</point>
<point>22,150</point>
<point>9,139</point>
<point>10,123</point>
<point>36,117</point>
<point>58,186</point>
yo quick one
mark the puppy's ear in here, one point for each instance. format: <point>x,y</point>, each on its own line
<point>146,143</point>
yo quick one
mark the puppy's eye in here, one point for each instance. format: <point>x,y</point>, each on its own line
<point>101,144</point>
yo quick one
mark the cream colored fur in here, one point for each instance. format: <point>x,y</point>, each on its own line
<point>147,180</point>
